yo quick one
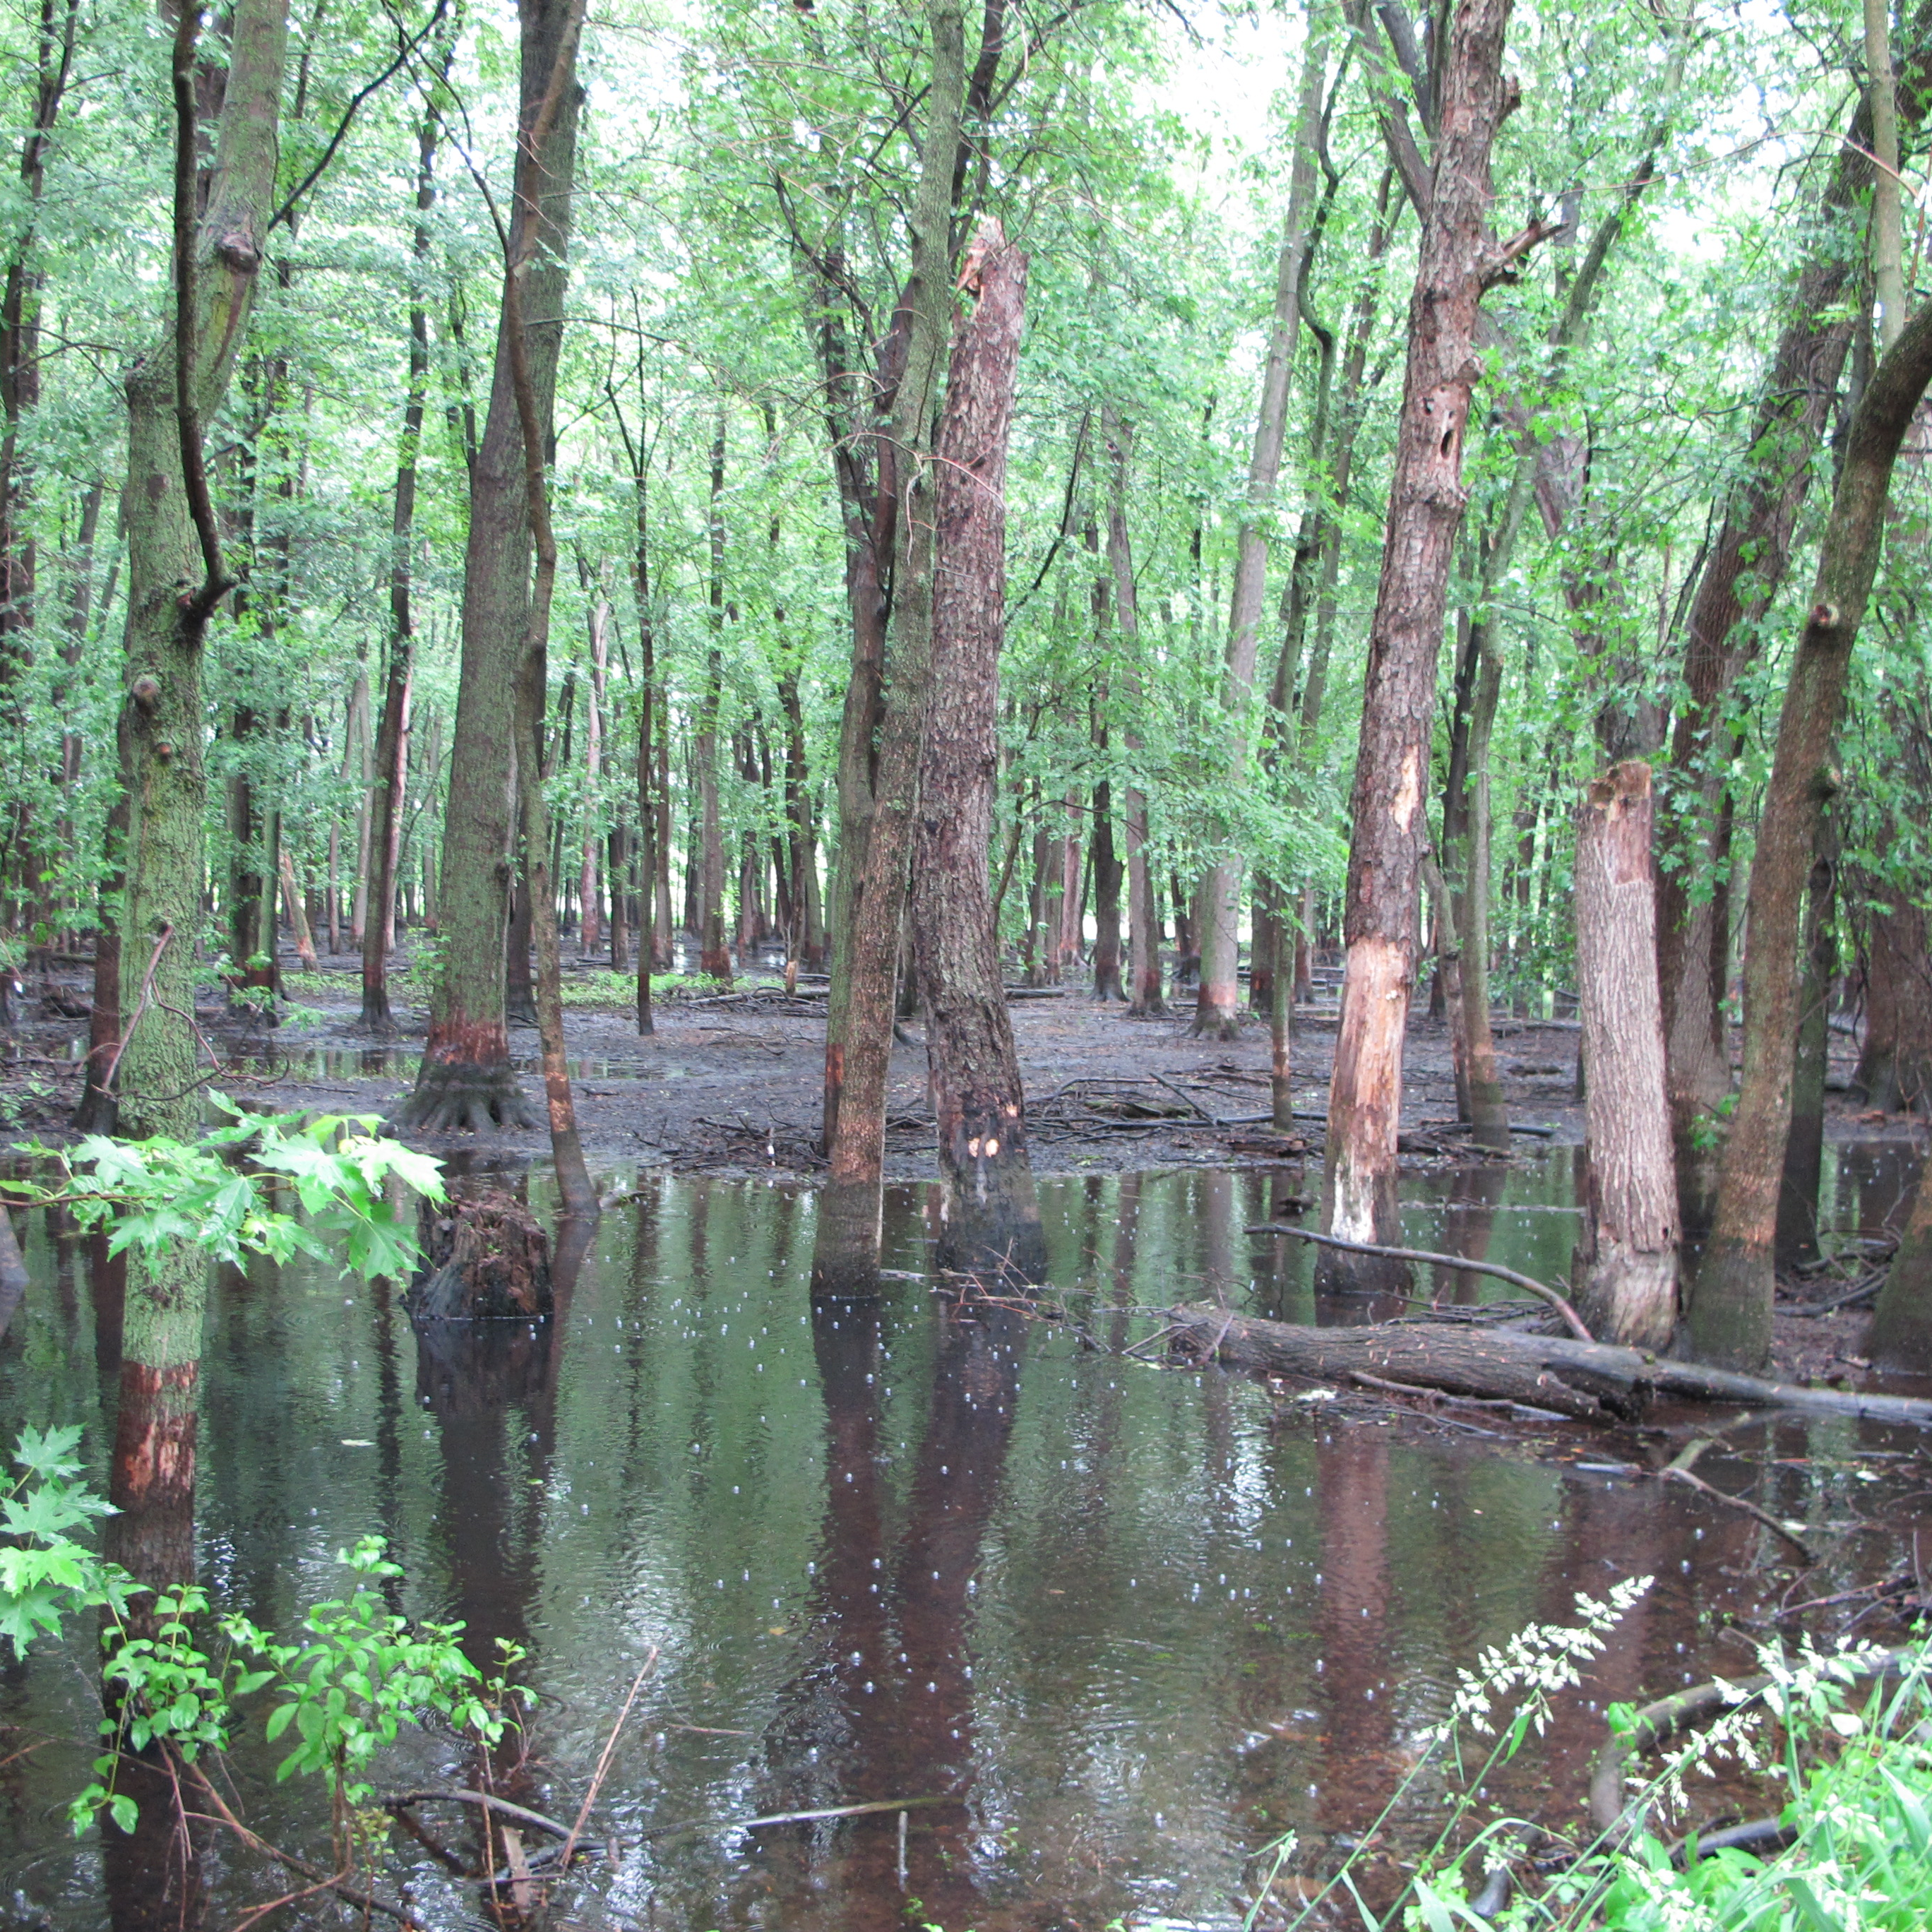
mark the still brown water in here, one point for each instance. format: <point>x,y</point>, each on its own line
<point>1128,1623</point>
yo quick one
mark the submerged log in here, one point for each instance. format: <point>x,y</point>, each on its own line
<point>1591,1382</point>
<point>489,1260</point>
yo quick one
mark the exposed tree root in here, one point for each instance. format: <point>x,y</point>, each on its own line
<point>464,1097</point>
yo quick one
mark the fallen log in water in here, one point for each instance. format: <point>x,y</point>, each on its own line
<point>1592,1381</point>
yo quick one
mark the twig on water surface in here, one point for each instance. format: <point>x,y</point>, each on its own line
<point>1523,1409</point>
<point>1680,1471</point>
<point>1572,1320</point>
<point>367,1900</point>
<point>489,1800</point>
<point>604,1762</point>
<point>261,1912</point>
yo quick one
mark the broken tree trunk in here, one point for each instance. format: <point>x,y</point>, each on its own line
<point>488,1260</point>
<point>1625,1269</point>
<point>1591,1382</point>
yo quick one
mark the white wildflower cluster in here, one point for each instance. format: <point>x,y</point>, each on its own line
<point>1811,1685</point>
<point>1538,1662</point>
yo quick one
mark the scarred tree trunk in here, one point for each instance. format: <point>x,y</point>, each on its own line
<point>1730,1308</point>
<point>989,1214</point>
<point>1625,1268</point>
<point>1388,821</point>
<point>466,1080</point>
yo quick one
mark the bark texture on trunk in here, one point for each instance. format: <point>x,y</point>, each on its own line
<point>1625,1269</point>
<point>1804,1150</point>
<point>1387,816</point>
<point>989,1213</point>
<point>466,1080</point>
<point>1731,1307</point>
<point>871,881</point>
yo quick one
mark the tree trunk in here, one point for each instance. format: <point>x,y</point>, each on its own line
<point>1592,1381</point>
<point>292,899</point>
<point>714,953</point>
<point>989,1213</point>
<point>1901,1330</point>
<point>466,1080</point>
<point>1216,1008</point>
<point>653,921</point>
<point>589,926</point>
<point>392,756</point>
<point>1895,1064</point>
<point>1388,821</point>
<point>176,576</point>
<point>1746,567</point>
<point>1797,1238</point>
<point>1625,1268</point>
<point>1730,1308</point>
<point>1144,999</point>
<point>871,888</point>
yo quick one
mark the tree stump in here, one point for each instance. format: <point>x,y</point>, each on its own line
<point>488,1260</point>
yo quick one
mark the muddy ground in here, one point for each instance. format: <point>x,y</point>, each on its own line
<point>731,1086</point>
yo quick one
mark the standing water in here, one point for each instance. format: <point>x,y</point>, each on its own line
<point>1109,1629</point>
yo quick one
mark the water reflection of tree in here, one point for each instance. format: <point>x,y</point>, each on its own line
<point>492,1387</point>
<point>881,1704</point>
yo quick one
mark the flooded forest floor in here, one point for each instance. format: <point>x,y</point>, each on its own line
<point>729,1085</point>
<point>1079,1630</point>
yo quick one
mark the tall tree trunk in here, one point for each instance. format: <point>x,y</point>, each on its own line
<point>1144,999</point>
<point>1388,821</point>
<point>466,1080</point>
<point>714,955</point>
<point>1217,1001</point>
<point>1626,1262</point>
<point>589,935</point>
<point>805,941</point>
<point>871,890</point>
<point>1746,567</point>
<point>20,335</point>
<point>653,908</point>
<point>384,853</point>
<point>989,1213</point>
<point>578,1197</point>
<point>176,576</point>
<point>1730,1308</point>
